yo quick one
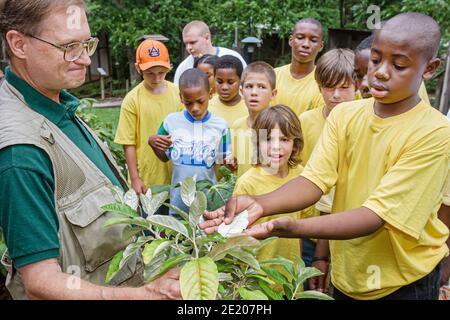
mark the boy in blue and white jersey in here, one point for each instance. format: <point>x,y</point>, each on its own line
<point>194,139</point>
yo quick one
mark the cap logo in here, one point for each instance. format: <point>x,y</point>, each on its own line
<point>154,52</point>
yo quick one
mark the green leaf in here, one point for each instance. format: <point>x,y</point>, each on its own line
<point>174,261</point>
<point>214,237</point>
<point>311,294</point>
<point>121,208</point>
<point>252,295</point>
<point>188,189</point>
<point>197,209</point>
<point>203,184</point>
<point>199,279</point>
<point>138,221</point>
<point>114,266</point>
<point>300,263</point>
<point>130,250</point>
<point>288,290</point>
<point>130,198</point>
<point>169,223</point>
<point>260,277</point>
<point>220,250</point>
<point>130,231</point>
<point>274,295</point>
<point>153,248</point>
<point>275,275</point>
<point>225,172</point>
<point>265,242</point>
<point>245,257</point>
<point>150,206</point>
<point>152,270</point>
<point>306,273</point>
<point>178,211</point>
<point>287,264</point>
<point>158,188</point>
<point>225,277</point>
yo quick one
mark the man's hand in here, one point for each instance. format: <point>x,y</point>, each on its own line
<point>166,287</point>
<point>160,142</point>
<point>234,206</point>
<point>138,186</point>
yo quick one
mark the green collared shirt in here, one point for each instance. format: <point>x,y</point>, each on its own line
<point>27,209</point>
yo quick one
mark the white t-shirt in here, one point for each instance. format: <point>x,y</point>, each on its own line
<point>188,63</point>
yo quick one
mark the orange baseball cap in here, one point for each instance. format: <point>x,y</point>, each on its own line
<point>152,53</point>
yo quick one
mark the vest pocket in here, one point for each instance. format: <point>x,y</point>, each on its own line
<point>97,243</point>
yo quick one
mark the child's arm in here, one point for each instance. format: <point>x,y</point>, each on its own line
<point>130,156</point>
<point>350,224</point>
<point>444,215</point>
<point>321,262</point>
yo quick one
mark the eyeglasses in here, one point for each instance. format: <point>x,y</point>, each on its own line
<point>74,50</point>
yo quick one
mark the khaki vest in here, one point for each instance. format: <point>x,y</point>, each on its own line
<point>86,247</point>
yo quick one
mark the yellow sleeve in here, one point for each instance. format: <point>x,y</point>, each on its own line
<point>321,168</point>
<point>410,191</point>
<point>126,129</point>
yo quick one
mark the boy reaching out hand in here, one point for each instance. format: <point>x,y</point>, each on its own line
<point>388,157</point>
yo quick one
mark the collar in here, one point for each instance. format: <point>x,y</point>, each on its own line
<point>53,111</point>
<point>190,118</point>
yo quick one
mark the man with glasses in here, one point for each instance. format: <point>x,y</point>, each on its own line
<point>54,172</point>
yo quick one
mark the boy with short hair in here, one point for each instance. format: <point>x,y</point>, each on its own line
<point>193,139</point>
<point>228,103</point>
<point>258,87</point>
<point>295,81</point>
<point>335,76</point>
<point>388,157</point>
<point>362,55</point>
<point>143,109</point>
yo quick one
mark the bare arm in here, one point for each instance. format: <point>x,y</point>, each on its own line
<point>295,195</point>
<point>130,157</point>
<point>350,224</point>
<point>444,215</point>
<point>45,280</point>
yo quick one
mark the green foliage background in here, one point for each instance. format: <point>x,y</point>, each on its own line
<point>126,20</point>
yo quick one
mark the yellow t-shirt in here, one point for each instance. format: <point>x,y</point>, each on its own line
<point>300,95</point>
<point>141,115</point>
<point>229,114</point>
<point>242,145</point>
<point>256,181</point>
<point>397,168</point>
<point>312,123</point>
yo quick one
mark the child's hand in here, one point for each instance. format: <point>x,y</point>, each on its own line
<point>226,214</point>
<point>319,283</point>
<point>138,186</point>
<point>231,163</point>
<point>283,227</point>
<point>160,142</point>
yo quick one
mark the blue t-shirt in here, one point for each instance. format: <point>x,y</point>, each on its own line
<point>197,146</point>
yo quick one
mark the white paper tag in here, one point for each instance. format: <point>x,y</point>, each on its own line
<point>239,224</point>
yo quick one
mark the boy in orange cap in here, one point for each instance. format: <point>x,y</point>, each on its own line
<point>143,109</point>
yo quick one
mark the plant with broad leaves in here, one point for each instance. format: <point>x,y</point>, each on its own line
<point>212,266</point>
